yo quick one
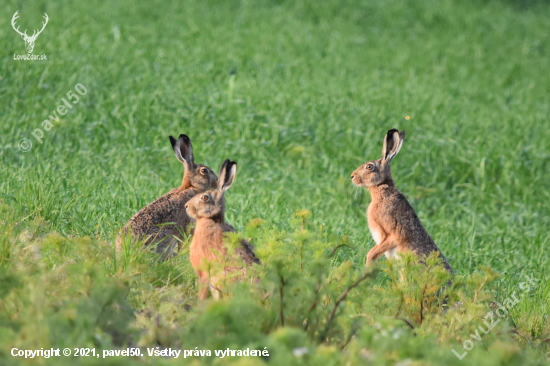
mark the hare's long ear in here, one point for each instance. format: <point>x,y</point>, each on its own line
<point>227,175</point>
<point>392,144</point>
<point>183,149</point>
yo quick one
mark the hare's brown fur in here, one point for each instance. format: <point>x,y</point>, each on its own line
<point>170,208</point>
<point>207,246</point>
<point>393,223</point>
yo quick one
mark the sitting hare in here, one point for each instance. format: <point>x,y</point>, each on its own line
<point>207,246</point>
<point>170,208</point>
<point>392,221</point>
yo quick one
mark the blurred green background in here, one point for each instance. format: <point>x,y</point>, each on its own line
<point>299,93</point>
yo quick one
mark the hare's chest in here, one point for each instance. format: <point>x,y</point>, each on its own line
<point>376,230</point>
<point>207,245</point>
<point>376,234</point>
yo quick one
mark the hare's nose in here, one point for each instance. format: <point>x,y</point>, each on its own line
<point>186,206</point>
<point>352,176</point>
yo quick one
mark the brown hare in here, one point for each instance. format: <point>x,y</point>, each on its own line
<point>170,208</point>
<point>207,246</point>
<point>392,221</point>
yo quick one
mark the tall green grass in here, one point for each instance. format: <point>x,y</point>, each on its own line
<point>299,93</point>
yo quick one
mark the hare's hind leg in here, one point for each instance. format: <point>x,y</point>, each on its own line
<point>204,284</point>
<point>216,287</point>
<point>216,292</point>
<point>167,247</point>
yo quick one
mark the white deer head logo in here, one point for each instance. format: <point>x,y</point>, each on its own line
<point>29,41</point>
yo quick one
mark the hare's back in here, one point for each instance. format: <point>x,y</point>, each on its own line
<point>246,251</point>
<point>409,227</point>
<point>168,208</point>
<point>403,222</point>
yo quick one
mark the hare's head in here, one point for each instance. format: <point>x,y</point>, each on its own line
<point>377,172</point>
<point>196,176</point>
<point>211,204</point>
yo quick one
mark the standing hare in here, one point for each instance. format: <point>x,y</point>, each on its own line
<point>207,246</point>
<point>392,221</point>
<point>164,220</point>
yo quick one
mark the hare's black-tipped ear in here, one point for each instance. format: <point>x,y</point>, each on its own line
<point>392,144</point>
<point>176,147</point>
<point>401,138</point>
<point>183,149</point>
<point>187,149</point>
<point>227,175</point>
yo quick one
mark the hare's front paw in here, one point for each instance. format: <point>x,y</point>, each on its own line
<point>369,261</point>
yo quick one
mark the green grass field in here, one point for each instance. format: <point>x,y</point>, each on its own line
<point>299,93</point>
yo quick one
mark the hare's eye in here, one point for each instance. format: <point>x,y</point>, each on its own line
<point>204,198</point>
<point>204,171</point>
<point>369,167</point>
